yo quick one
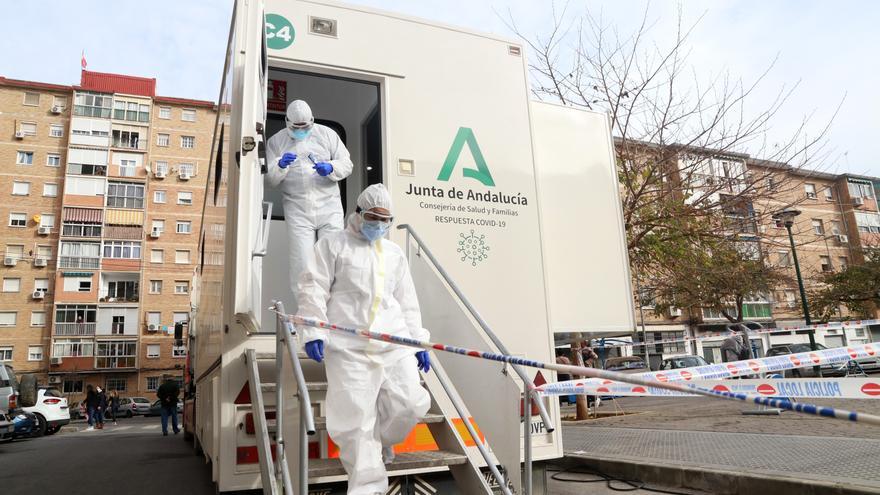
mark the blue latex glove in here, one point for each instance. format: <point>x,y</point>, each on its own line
<point>424,361</point>
<point>323,168</point>
<point>315,350</point>
<point>286,160</point>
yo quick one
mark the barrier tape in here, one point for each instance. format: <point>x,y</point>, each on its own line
<point>807,388</point>
<point>711,335</point>
<point>836,355</point>
<point>827,412</point>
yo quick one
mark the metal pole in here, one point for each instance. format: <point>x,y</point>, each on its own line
<point>280,459</point>
<point>527,441</point>
<point>642,317</point>
<point>800,281</point>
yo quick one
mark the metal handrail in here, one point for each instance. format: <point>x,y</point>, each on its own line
<point>529,392</point>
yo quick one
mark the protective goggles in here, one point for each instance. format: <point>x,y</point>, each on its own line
<point>372,216</point>
<point>299,125</point>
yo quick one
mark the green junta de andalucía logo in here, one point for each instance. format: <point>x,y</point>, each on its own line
<point>466,136</point>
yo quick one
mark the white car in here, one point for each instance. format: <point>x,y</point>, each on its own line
<point>51,411</point>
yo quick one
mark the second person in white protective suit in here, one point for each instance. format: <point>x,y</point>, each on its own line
<point>374,395</point>
<point>307,160</point>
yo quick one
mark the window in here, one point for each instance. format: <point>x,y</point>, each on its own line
<point>184,227</point>
<point>83,286</point>
<point>11,284</point>
<point>843,262</point>
<point>73,348</point>
<point>835,227</point>
<point>78,229</point>
<point>178,351</point>
<point>181,287</point>
<point>188,169</point>
<point>59,101</point>
<point>21,188</point>
<point>72,386</point>
<point>14,251</point>
<point>180,317</point>
<point>770,183</point>
<point>825,261</point>
<point>44,252</point>
<point>868,222</point>
<point>31,99</point>
<point>158,196</point>
<point>47,220</point>
<point>117,327</point>
<point>123,290</point>
<point>115,354</point>
<point>38,318</point>
<point>187,142</point>
<point>28,128</point>
<point>159,225</point>
<point>647,297</point>
<point>80,255</point>
<point>185,198</point>
<point>810,190</point>
<point>24,158</point>
<point>153,350</point>
<point>152,383</point>
<point>157,256</point>
<point>858,189</point>
<point>154,319</point>
<point>143,113</point>
<point>164,112</point>
<point>6,353</point>
<point>50,190</point>
<point>163,140</point>
<point>53,160</point>
<point>56,130</point>
<point>829,194</point>
<point>128,250</point>
<point>181,256</point>
<point>127,168</point>
<point>92,105</point>
<point>35,353</point>
<point>8,318</point>
<point>818,226</point>
<point>126,139</point>
<point>17,219</point>
<point>790,298</point>
<point>161,167</point>
<point>118,384</point>
<point>155,286</point>
<point>188,115</point>
<point>125,195</point>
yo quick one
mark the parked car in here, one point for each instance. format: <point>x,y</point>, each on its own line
<point>130,406</point>
<point>156,408</point>
<point>25,424</point>
<point>678,362</point>
<point>839,369</point>
<point>8,390</point>
<point>51,411</point>
<point>629,364</point>
<point>77,410</point>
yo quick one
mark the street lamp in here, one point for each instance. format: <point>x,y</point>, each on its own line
<point>787,216</point>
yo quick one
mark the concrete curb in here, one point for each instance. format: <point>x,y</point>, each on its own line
<point>714,480</point>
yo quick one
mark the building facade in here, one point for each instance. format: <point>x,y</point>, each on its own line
<point>103,190</point>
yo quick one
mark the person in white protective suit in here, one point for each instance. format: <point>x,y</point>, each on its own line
<point>374,395</point>
<point>307,160</point>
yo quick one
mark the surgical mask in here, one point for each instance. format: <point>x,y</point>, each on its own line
<point>374,230</point>
<point>299,134</point>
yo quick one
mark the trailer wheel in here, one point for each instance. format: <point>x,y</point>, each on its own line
<point>28,390</point>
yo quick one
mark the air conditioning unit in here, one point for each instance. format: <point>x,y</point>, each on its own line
<point>184,175</point>
<point>858,200</point>
<point>38,294</point>
<point>160,174</point>
<point>843,239</point>
<point>40,261</point>
<point>19,134</point>
<point>56,109</point>
<point>54,379</point>
<point>152,328</point>
<point>791,304</point>
<point>44,230</point>
<point>10,261</point>
<point>55,361</point>
<point>155,234</point>
<point>674,312</point>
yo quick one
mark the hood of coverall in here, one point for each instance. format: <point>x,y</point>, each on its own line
<point>299,112</point>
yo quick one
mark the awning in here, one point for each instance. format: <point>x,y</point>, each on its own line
<point>124,233</point>
<point>124,217</point>
<point>77,274</point>
<point>83,215</point>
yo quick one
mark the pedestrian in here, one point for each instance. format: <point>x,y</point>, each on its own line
<point>374,395</point>
<point>168,393</point>
<point>92,403</point>
<point>102,408</point>
<point>307,160</point>
<point>113,405</point>
<point>732,349</point>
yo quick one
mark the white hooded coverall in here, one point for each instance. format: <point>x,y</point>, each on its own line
<point>312,205</point>
<point>374,397</point>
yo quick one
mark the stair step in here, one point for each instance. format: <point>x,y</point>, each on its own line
<point>319,468</point>
<point>321,423</point>
<point>270,356</point>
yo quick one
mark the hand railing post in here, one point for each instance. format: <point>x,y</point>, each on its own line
<point>280,461</point>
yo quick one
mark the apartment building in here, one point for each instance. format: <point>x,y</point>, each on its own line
<point>119,161</point>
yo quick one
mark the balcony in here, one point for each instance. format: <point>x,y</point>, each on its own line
<point>115,362</point>
<point>75,328</point>
<point>79,262</point>
<point>129,144</point>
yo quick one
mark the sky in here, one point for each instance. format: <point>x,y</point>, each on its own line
<point>825,48</point>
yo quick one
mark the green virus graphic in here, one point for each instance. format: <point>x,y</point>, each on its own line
<point>473,248</point>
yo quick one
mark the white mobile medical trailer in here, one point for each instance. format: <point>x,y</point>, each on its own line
<point>514,234</point>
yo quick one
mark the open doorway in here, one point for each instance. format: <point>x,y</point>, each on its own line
<point>350,107</point>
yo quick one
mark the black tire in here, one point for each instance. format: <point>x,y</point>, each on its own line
<point>42,426</point>
<point>53,430</point>
<point>28,390</point>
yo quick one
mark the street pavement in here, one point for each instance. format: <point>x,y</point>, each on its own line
<point>131,458</point>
